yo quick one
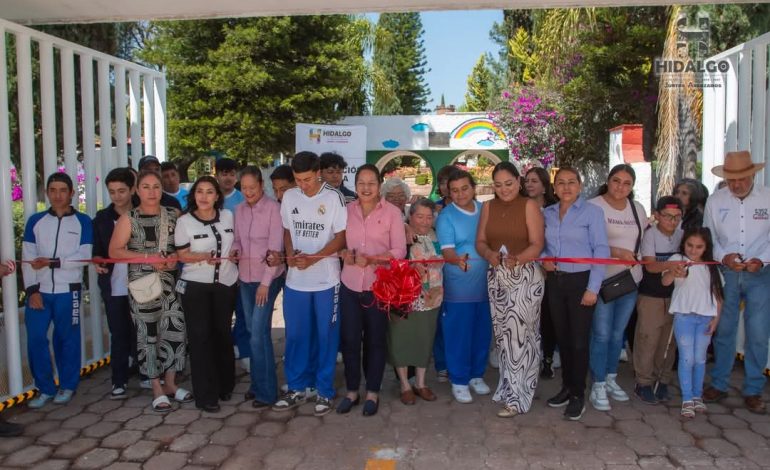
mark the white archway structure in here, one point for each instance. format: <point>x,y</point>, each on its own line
<point>484,153</point>
<point>385,159</point>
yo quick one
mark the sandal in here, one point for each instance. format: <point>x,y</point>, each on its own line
<point>181,396</point>
<point>507,412</point>
<point>161,404</point>
<point>688,410</point>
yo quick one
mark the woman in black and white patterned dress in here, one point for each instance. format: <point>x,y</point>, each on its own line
<point>160,327</point>
<point>510,237</point>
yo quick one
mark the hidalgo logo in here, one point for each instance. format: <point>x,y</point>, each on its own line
<point>315,135</point>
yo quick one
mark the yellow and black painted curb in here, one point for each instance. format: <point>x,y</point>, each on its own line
<point>30,394</point>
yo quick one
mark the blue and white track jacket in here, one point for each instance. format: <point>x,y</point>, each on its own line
<point>63,239</point>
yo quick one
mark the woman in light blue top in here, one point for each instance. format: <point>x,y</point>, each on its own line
<point>573,229</point>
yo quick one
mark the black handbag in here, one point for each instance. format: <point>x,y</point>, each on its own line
<point>623,282</point>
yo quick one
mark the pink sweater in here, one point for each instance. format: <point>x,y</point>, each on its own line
<point>258,228</point>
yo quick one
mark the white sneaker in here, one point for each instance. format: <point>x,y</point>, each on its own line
<point>614,390</point>
<point>556,360</point>
<point>479,387</point>
<point>599,398</point>
<point>310,392</point>
<point>462,394</point>
<point>339,358</point>
<point>245,364</point>
<point>442,376</point>
<point>494,358</point>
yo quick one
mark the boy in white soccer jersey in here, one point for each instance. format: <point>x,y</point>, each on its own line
<point>314,219</point>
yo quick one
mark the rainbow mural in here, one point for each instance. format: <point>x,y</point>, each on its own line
<point>477,129</point>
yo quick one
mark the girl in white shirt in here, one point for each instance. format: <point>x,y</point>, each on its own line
<point>695,303</point>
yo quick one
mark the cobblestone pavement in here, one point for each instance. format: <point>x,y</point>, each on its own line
<point>94,432</point>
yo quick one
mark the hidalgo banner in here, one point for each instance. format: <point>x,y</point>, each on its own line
<point>348,141</point>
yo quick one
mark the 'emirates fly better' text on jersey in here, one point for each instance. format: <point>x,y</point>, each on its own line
<point>313,222</point>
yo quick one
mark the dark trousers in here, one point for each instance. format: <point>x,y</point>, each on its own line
<point>363,321</point>
<point>547,334</point>
<point>572,325</point>
<point>121,336</point>
<point>208,310</point>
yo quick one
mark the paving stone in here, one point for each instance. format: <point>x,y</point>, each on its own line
<point>744,438</point>
<point>211,455</point>
<point>741,463</point>
<point>121,439</point>
<point>11,444</point>
<point>189,442</point>
<point>242,462</point>
<point>761,428</point>
<point>748,416</point>
<point>719,448</point>
<point>122,414</point>
<point>304,422</point>
<point>182,417</point>
<point>645,446</point>
<point>634,428</point>
<point>144,422</point>
<point>81,421</point>
<point>141,401</point>
<point>758,455</point>
<point>284,458</point>
<point>41,427</point>
<point>622,411</point>
<point>27,456</point>
<point>224,412</point>
<point>701,429</point>
<point>75,447</point>
<point>140,450</point>
<point>728,422</point>
<point>204,426</point>
<point>675,438</point>
<point>96,458</point>
<point>53,464</point>
<point>104,406</point>
<point>268,429</point>
<point>164,433</point>
<point>663,421</point>
<point>616,454</point>
<point>124,466</point>
<point>26,416</point>
<point>102,429</point>
<point>257,447</point>
<point>62,411</point>
<point>656,463</point>
<point>689,456</point>
<point>166,461</point>
<point>58,436</point>
<point>229,436</point>
<point>242,419</point>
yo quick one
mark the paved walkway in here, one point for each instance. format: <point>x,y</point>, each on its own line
<point>93,432</point>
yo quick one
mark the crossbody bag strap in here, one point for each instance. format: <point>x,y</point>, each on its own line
<point>639,226</point>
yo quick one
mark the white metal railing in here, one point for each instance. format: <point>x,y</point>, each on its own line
<point>120,84</point>
<point>736,116</point>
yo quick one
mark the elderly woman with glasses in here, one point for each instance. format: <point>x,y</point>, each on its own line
<point>396,191</point>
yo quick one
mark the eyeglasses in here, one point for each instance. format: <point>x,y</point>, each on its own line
<point>671,217</point>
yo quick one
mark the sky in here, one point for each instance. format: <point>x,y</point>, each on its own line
<point>454,40</point>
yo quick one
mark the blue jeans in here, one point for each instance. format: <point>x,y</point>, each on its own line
<point>753,289</point>
<point>692,342</point>
<point>609,324</point>
<point>259,320</point>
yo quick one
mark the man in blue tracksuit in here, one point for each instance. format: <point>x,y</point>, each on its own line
<point>54,241</point>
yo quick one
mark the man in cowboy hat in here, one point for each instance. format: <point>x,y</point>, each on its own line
<point>739,219</point>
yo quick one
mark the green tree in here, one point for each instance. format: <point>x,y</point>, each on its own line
<point>238,86</point>
<point>477,97</point>
<point>399,54</point>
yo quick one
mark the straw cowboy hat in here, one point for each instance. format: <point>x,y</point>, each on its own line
<point>737,165</point>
